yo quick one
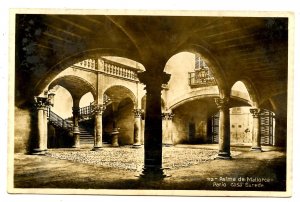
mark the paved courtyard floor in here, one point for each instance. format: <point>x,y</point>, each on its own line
<point>192,167</point>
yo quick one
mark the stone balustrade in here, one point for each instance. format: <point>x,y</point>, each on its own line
<point>109,67</point>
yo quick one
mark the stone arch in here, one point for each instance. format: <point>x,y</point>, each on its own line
<point>119,115</point>
<point>119,93</point>
<point>78,57</point>
<point>77,86</point>
<point>86,99</point>
<point>208,93</point>
<point>254,97</point>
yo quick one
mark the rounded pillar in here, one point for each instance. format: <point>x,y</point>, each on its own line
<point>76,131</point>
<point>153,124</point>
<point>99,109</point>
<point>224,128</point>
<point>41,106</point>
<point>256,134</point>
<point>168,138</point>
<point>137,128</point>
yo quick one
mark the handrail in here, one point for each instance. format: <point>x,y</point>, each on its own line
<point>58,121</point>
<point>87,111</point>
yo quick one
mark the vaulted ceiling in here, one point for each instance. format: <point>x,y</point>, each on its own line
<point>251,49</point>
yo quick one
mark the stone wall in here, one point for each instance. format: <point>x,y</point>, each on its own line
<point>126,124</point>
<point>22,130</point>
<point>190,123</point>
<point>241,125</point>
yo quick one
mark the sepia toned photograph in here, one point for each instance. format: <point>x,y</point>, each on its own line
<point>150,103</point>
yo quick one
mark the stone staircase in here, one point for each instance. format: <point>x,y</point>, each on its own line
<point>85,127</point>
<point>86,136</point>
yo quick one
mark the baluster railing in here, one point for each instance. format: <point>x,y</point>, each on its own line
<point>119,70</point>
<point>89,64</point>
<point>110,67</point>
<point>87,112</point>
<point>59,121</point>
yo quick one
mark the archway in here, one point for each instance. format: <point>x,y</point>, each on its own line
<point>118,116</point>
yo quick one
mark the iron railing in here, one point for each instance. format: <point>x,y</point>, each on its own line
<point>201,78</point>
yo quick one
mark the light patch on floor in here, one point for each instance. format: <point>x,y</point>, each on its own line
<point>132,159</point>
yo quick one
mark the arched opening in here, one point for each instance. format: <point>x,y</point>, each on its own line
<point>86,100</point>
<point>240,117</point>
<point>60,113</point>
<point>241,120</point>
<point>118,116</point>
<point>193,88</point>
<point>62,102</point>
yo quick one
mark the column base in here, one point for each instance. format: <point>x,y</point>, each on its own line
<point>38,152</point>
<point>136,145</point>
<point>96,148</point>
<point>152,173</point>
<point>256,149</point>
<point>115,145</point>
<point>76,140</point>
<point>224,156</point>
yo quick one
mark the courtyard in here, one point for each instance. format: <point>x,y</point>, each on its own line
<point>189,167</point>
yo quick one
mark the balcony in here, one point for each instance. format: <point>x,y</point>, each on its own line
<point>109,67</point>
<point>201,78</point>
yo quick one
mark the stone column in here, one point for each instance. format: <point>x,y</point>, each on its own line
<point>169,138</point>
<point>256,135</point>
<point>76,132</point>
<point>137,128</point>
<point>41,108</point>
<point>224,128</point>
<point>153,123</point>
<point>45,137</point>
<point>99,109</point>
<point>115,132</point>
<point>164,118</point>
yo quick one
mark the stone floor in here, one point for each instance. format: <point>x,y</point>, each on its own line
<point>192,167</point>
<point>132,159</point>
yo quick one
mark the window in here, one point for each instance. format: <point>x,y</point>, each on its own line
<point>199,63</point>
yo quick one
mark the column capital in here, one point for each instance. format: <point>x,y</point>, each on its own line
<point>170,115</point>
<point>222,102</point>
<point>137,113</point>
<point>99,109</point>
<point>255,112</point>
<point>41,102</point>
<point>153,79</point>
<point>167,115</point>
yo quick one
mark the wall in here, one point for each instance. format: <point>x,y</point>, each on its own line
<point>241,125</point>
<point>193,112</point>
<point>126,124</point>
<point>22,131</point>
